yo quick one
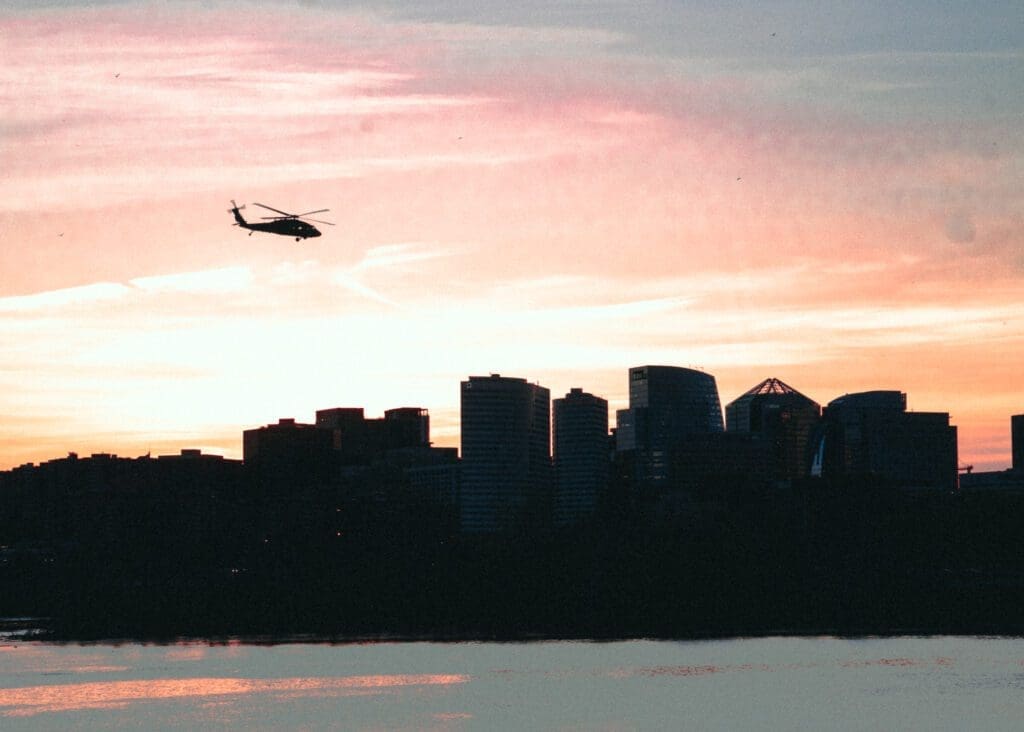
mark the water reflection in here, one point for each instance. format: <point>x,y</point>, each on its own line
<point>27,701</point>
<point>759,683</point>
<point>186,652</point>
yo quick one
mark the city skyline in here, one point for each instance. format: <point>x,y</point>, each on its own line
<point>614,420</point>
<point>827,195</point>
<point>408,425</point>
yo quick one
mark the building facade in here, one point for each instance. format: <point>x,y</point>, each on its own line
<point>581,461</point>
<point>871,438</point>
<point>288,455</point>
<point>358,440</point>
<point>666,405</point>
<point>784,418</point>
<point>406,427</point>
<point>506,454</point>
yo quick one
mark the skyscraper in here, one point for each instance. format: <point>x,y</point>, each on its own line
<point>580,455</point>
<point>666,403</point>
<point>506,453</point>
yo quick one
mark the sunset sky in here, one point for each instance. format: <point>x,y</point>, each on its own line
<point>828,194</point>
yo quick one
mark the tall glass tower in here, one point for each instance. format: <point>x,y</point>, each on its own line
<point>580,454</point>
<point>506,453</point>
<point>666,404</point>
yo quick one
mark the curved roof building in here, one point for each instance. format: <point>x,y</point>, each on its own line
<point>869,437</point>
<point>666,404</point>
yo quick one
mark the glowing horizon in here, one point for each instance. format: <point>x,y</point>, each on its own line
<point>831,196</point>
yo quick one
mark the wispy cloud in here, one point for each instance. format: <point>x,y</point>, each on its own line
<point>100,292</point>
<point>230,279</point>
<point>395,255</point>
<point>348,281</point>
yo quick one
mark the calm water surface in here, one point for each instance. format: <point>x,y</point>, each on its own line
<point>762,683</point>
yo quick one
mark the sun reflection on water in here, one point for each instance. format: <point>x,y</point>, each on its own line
<point>31,700</point>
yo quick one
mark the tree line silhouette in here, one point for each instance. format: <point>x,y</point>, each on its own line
<point>107,547</point>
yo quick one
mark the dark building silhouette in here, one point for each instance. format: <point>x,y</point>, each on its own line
<point>193,470</point>
<point>506,454</point>
<point>992,482</point>
<point>288,454</point>
<point>358,440</point>
<point>666,405</point>
<point>581,461</point>
<point>870,438</point>
<point>353,528</point>
<point>351,436</point>
<point>128,506</point>
<point>1001,482</point>
<point>783,418</point>
<point>1017,438</point>
<point>720,467</point>
<point>406,427</point>
<point>437,479</point>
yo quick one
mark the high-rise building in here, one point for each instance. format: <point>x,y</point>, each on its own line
<point>870,438</point>
<point>1017,437</point>
<point>783,418</point>
<point>666,404</point>
<point>506,453</point>
<point>580,455</point>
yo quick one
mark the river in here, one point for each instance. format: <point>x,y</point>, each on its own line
<point>950,683</point>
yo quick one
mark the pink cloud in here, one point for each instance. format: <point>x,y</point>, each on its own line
<point>522,155</point>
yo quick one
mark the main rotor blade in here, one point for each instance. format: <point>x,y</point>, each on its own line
<point>319,210</point>
<point>271,208</point>
<point>294,218</point>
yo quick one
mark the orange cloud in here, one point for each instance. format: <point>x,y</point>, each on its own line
<point>547,202</point>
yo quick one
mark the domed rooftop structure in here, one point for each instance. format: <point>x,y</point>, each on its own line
<point>743,414</point>
<point>771,386</point>
<point>780,414</point>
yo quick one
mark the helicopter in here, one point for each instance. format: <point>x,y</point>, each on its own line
<point>286,224</point>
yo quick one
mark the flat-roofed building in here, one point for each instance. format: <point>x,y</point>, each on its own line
<point>506,453</point>
<point>288,454</point>
<point>581,459</point>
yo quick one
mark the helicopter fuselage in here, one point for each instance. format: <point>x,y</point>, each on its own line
<point>285,226</point>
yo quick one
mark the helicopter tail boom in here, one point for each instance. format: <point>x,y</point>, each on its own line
<point>235,210</point>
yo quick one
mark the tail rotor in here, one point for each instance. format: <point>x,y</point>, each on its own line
<point>235,208</point>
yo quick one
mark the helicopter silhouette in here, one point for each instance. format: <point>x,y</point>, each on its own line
<point>286,224</point>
